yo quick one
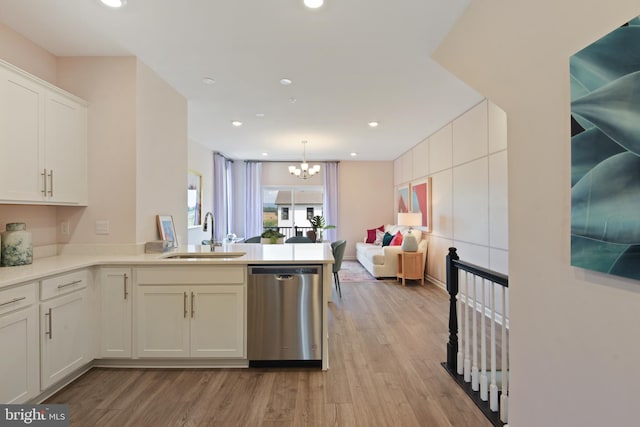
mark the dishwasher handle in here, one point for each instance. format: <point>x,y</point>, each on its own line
<point>283,270</point>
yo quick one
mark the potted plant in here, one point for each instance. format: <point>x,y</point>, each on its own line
<point>271,236</point>
<point>318,223</point>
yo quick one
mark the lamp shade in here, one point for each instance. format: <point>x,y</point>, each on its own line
<point>410,219</point>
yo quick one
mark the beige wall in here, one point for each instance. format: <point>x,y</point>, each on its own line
<point>365,200</point>
<point>161,159</point>
<point>574,356</point>
<point>109,85</point>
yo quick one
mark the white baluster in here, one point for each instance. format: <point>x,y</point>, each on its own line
<point>475,381</point>
<point>467,361</point>
<point>504,412</point>
<point>484,387</point>
<point>459,355</point>
<point>493,388</point>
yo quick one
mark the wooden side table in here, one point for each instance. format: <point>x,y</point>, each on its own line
<point>410,266</point>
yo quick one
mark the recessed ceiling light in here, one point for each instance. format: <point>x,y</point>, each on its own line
<point>374,124</point>
<point>353,154</point>
<point>313,4</point>
<point>259,114</point>
<point>236,123</point>
<point>265,154</point>
<point>292,100</point>
<point>208,80</point>
<point>285,82</point>
<point>114,3</point>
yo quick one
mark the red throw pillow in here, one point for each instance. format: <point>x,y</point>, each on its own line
<point>371,234</point>
<point>397,239</point>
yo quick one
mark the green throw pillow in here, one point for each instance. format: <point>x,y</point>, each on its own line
<point>387,239</point>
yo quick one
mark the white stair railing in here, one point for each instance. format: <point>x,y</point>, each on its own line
<point>473,294</point>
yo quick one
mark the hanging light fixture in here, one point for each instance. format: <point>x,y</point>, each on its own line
<point>304,171</point>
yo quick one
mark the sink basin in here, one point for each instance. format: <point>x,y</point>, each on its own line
<point>205,255</point>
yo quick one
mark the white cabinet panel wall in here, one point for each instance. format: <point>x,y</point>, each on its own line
<point>407,167</point>
<point>471,203</point>
<point>497,128</point>
<point>498,201</point>
<point>436,253</point>
<point>470,135</point>
<point>441,150</point>
<point>397,171</point>
<point>442,204</point>
<point>420,158</point>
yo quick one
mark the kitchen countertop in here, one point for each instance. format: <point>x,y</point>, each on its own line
<point>289,253</point>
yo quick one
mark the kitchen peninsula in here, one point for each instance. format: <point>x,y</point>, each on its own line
<point>62,315</point>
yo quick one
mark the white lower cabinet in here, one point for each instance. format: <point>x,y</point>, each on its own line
<point>115,312</point>
<point>64,344</point>
<point>19,368</point>
<point>198,321</point>
<point>190,312</point>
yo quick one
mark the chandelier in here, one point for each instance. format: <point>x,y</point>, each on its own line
<point>304,171</point>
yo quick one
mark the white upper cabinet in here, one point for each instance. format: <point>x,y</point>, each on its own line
<point>43,142</point>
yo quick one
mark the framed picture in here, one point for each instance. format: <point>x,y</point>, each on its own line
<point>194,199</point>
<point>402,199</point>
<point>166,229</point>
<point>421,201</point>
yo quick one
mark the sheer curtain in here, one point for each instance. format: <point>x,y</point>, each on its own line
<point>331,198</point>
<point>253,200</point>
<point>222,189</point>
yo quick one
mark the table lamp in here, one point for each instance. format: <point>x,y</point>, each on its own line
<point>409,242</point>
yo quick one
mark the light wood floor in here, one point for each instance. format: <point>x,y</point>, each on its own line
<point>386,346</point>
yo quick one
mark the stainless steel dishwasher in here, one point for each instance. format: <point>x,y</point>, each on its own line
<point>284,316</point>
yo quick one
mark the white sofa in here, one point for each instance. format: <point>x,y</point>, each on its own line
<point>382,261</point>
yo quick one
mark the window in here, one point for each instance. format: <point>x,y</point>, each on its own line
<point>289,209</point>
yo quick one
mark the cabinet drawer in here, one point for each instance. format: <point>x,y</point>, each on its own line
<point>193,275</point>
<point>18,297</point>
<point>63,284</point>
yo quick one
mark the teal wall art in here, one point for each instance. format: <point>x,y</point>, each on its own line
<point>605,153</point>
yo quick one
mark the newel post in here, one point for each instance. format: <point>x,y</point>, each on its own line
<point>452,288</point>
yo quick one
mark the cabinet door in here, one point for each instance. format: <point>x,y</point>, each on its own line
<point>162,321</point>
<point>115,314</point>
<point>65,150</point>
<point>21,138</point>
<point>63,336</point>
<point>19,362</point>
<point>217,322</point>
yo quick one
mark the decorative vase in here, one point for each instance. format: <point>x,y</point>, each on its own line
<point>16,246</point>
<point>311,234</point>
<point>271,241</point>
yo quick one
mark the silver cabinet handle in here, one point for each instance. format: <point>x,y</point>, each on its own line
<point>75,282</point>
<point>51,182</point>
<point>193,310</point>
<point>50,332</point>
<point>44,179</point>
<point>125,286</point>
<point>12,301</point>
<point>184,304</point>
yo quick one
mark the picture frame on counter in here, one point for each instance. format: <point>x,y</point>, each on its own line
<point>167,229</point>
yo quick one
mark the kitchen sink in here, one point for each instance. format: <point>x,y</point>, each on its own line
<point>205,255</point>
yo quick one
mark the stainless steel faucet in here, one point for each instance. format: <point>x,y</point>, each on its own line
<point>212,242</point>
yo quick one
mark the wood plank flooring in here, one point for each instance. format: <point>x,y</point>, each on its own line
<point>386,346</point>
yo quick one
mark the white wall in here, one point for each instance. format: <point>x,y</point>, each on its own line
<point>574,356</point>
<point>161,155</point>
<point>201,161</point>
<point>467,163</point>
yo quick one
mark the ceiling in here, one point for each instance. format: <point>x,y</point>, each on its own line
<point>351,62</point>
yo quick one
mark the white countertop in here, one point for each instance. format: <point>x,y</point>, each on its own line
<point>289,253</point>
